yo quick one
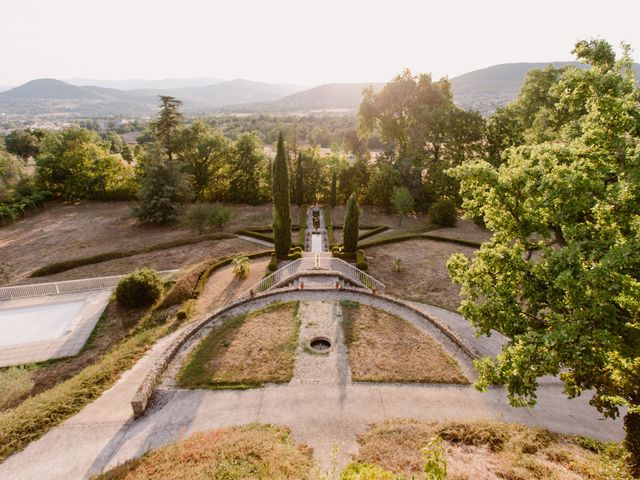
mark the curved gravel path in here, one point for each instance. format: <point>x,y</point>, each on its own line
<point>322,415</point>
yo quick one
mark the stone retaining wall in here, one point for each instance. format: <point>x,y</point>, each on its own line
<point>140,400</point>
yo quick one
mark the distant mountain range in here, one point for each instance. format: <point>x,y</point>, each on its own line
<point>133,84</point>
<point>483,90</point>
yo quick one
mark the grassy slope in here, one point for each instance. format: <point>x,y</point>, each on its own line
<point>490,450</point>
<point>386,348</point>
<point>252,451</point>
<point>246,351</point>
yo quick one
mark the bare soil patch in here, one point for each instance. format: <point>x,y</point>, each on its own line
<point>424,277</point>
<point>64,231</point>
<point>223,286</point>
<point>487,450</point>
<point>169,259</point>
<point>386,348</point>
<point>247,351</point>
<point>247,452</point>
<point>465,229</point>
<point>375,216</point>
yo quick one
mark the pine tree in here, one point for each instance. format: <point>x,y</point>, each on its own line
<point>162,189</point>
<point>333,197</point>
<point>127,156</point>
<point>281,206</point>
<point>299,185</point>
<point>351,226</point>
<point>166,125</point>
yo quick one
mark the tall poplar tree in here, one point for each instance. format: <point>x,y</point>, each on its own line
<point>351,227</point>
<point>281,206</point>
<point>333,196</point>
<point>299,185</point>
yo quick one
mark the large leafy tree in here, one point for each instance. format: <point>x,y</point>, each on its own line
<point>205,155</point>
<point>561,275</point>
<point>423,129</point>
<point>24,143</point>
<point>247,166</point>
<point>281,204</point>
<point>75,163</point>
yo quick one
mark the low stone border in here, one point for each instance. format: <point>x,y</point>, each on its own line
<point>140,400</point>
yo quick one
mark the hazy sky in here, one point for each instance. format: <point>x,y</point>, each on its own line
<point>295,41</point>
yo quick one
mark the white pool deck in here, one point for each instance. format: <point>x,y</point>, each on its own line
<point>42,328</point>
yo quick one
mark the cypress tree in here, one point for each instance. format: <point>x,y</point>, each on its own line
<point>299,185</point>
<point>351,226</point>
<point>281,206</point>
<point>333,197</point>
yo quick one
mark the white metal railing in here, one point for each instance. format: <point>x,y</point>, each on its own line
<point>315,263</point>
<point>275,278</point>
<point>67,286</point>
<point>355,274</point>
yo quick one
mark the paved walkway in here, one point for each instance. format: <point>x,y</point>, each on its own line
<point>322,415</point>
<point>321,319</point>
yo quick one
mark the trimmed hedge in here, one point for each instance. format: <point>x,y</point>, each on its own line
<point>372,232</point>
<point>63,266</point>
<point>401,237</point>
<point>267,237</point>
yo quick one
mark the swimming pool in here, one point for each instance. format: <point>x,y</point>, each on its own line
<point>35,323</point>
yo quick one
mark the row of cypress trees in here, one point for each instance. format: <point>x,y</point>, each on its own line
<point>282,207</point>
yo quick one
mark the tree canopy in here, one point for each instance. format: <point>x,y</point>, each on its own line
<point>561,275</point>
<point>423,129</point>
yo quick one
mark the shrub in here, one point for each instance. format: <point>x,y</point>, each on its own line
<point>397,265</point>
<point>241,267</point>
<point>361,261</point>
<point>435,460</point>
<point>139,289</point>
<point>198,216</point>
<point>366,471</point>
<point>220,215</point>
<point>443,213</point>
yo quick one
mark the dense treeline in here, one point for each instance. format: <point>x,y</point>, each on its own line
<point>396,154</point>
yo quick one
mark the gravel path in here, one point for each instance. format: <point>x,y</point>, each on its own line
<point>321,319</point>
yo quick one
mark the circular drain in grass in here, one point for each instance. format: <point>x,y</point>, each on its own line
<point>320,344</point>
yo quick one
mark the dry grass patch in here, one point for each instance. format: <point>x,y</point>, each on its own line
<point>66,231</point>
<point>386,348</point>
<point>246,351</point>
<point>424,276</point>
<point>15,384</point>
<point>247,452</point>
<point>486,450</point>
